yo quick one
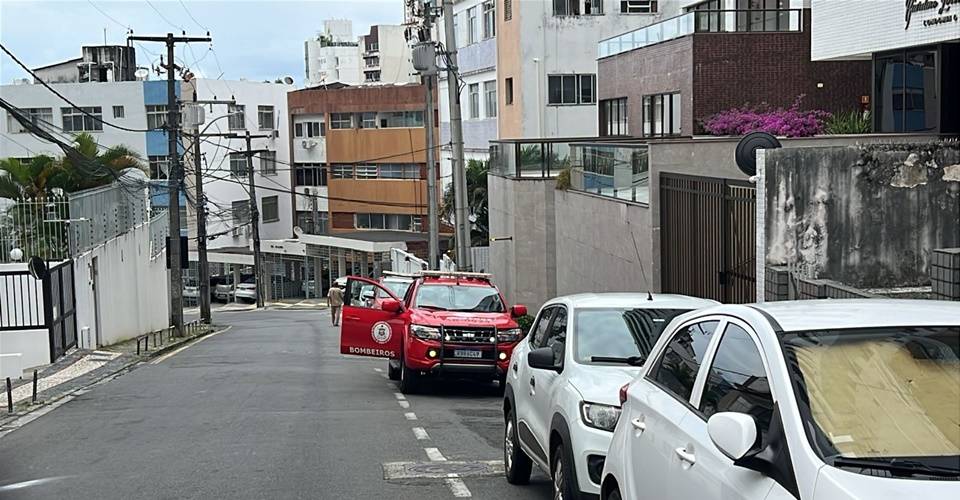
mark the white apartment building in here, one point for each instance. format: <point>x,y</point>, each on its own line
<point>333,55</point>
<point>475,24</point>
<point>386,56</point>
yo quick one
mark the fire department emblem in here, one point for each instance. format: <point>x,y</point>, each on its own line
<point>381,332</point>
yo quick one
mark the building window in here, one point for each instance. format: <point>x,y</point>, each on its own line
<point>75,120</point>
<point>763,15</point>
<point>156,116</point>
<point>661,114</point>
<point>367,120</point>
<point>566,7</point>
<point>401,119</point>
<point>371,76</point>
<point>490,98</point>
<point>638,6</point>
<point>310,174</point>
<point>241,212</point>
<point>159,166</point>
<point>489,19</point>
<point>298,130</point>
<point>268,163</point>
<point>118,112</point>
<point>36,116</point>
<point>905,95</point>
<point>593,7</point>
<point>396,222</point>
<point>366,171</point>
<point>341,120</point>
<point>341,171</point>
<point>238,164</point>
<point>399,171</point>
<point>265,117</point>
<point>613,117</point>
<point>472,25</point>
<point>571,89</point>
<point>474,94</point>
<point>237,119</point>
<point>305,221</point>
<point>270,208</point>
<point>508,91</point>
<point>507,10</point>
<point>309,129</point>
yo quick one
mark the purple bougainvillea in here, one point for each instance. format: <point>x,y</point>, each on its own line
<point>791,122</point>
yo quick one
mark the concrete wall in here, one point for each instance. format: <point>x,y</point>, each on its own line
<point>132,286</point>
<point>866,216</point>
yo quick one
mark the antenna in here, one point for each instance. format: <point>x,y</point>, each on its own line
<point>643,271</point>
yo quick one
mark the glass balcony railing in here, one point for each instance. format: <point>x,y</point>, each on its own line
<point>704,21</point>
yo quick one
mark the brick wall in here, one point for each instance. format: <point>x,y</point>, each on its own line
<point>733,69</point>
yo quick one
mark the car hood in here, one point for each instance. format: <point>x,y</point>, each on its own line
<point>453,318</point>
<point>839,484</point>
<point>602,383</point>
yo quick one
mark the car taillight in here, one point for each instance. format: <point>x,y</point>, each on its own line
<point>623,394</point>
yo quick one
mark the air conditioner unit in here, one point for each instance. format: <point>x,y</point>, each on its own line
<point>309,143</point>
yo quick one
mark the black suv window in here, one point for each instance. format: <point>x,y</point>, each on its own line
<point>737,381</point>
<point>681,360</point>
<point>539,330</point>
<point>557,338</point>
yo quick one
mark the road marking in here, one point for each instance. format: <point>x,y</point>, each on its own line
<point>420,433</point>
<point>378,370</point>
<point>399,396</point>
<point>458,487</point>
<point>435,455</point>
<point>404,404</point>
<point>410,415</point>
<point>190,343</point>
<point>32,482</point>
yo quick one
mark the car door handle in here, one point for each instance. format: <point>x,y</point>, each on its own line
<point>639,424</point>
<point>355,318</point>
<point>514,368</point>
<point>686,456</point>
<point>533,382</point>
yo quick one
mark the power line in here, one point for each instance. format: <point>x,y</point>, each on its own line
<point>108,16</point>
<point>61,96</point>
<point>165,17</point>
<point>193,18</point>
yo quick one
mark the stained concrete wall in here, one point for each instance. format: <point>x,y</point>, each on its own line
<point>866,216</point>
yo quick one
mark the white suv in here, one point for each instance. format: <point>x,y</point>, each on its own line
<point>816,400</point>
<point>561,398</point>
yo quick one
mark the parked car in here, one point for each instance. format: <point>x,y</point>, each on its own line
<point>838,399</point>
<point>449,324</point>
<point>223,292</point>
<point>397,283</point>
<point>191,292</point>
<point>561,400</point>
<point>247,291</point>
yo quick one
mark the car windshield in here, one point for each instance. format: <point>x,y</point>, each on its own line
<point>889,394</point>
<point>468,298</point>
<point>619,333</point>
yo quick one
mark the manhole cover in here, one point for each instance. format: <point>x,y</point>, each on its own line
<point>444,469</point>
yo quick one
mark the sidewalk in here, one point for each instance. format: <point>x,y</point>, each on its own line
<point>82,368</point>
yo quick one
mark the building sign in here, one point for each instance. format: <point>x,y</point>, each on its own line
<point>941,12</point>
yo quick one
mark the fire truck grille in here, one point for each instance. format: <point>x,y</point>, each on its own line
<point>468,335</point>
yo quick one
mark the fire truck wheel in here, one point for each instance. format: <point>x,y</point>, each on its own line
<point>393,370</point>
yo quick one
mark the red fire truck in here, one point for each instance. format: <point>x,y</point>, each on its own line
<point>448,323</point>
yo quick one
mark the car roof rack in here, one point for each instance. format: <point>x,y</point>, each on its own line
<point>399,274</point>
<point>456,274</point>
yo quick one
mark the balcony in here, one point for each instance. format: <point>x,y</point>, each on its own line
<point>704,21</point>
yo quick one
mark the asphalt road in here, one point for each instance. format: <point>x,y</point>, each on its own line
<point>267,409</point>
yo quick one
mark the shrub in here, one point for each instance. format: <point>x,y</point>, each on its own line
<point>791,122</point>
<point>852,122</point>
<point>563,179</point>
<point>525,322</point>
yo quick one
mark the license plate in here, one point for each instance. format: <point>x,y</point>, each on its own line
<point>466,353</point>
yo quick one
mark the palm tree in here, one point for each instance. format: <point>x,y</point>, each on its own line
<point>476,201</point>
<point>29,179</point>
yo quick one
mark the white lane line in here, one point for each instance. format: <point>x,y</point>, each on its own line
<point>420,433</point>
<point>189,344</point>
<point>410,415</point>
<point>399,396</point>
<point>404,404</point>
<point>378,370</point>
<point>458,487</point>
<point>435,455</point>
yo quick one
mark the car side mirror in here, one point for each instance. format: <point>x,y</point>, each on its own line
<point>391,305</point>
<point>733,433</point>
<point>518,311</point>
<point>542,358</point>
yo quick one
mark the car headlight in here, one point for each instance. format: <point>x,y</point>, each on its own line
<point>600,416</point>
<point>511,335</point>
<point>425,332</point>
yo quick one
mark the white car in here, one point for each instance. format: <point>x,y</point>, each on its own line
<point>814,400</point>
<point>246,291</point>
<point>561,396</point>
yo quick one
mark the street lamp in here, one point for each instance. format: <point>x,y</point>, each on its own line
<point>16,255</point>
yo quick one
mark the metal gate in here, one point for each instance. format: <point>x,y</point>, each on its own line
<point>708,237</point>
<point>59,309</point>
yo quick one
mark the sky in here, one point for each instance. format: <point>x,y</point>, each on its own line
<point>252,39</point>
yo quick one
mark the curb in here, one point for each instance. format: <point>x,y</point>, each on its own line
<point>6,428</point>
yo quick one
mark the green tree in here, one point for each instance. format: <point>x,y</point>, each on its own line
<point>30,179</point>
<point>476,202</point>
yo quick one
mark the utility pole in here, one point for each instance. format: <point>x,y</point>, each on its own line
<point>433,218</point>
<point>203,267</point>
<point>175,176</point>
<point>255,215</point>
<point>317,270</point>
<point>456,137</point>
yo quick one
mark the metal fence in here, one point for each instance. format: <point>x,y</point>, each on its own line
<point>35,226</point>
<point>159,230</point>
<point>100,214</point>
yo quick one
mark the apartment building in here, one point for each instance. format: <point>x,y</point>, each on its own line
<point>475,24</point>
<point>333,56</point>
<point>386,56</point>
<point>360,153</point>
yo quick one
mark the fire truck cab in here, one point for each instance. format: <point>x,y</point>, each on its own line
<point>446,324</point>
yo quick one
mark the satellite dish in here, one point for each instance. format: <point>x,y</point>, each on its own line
<point>38,268</point>
<point>288,80</point>
<point>746,154</point>
<point>141,73</point>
